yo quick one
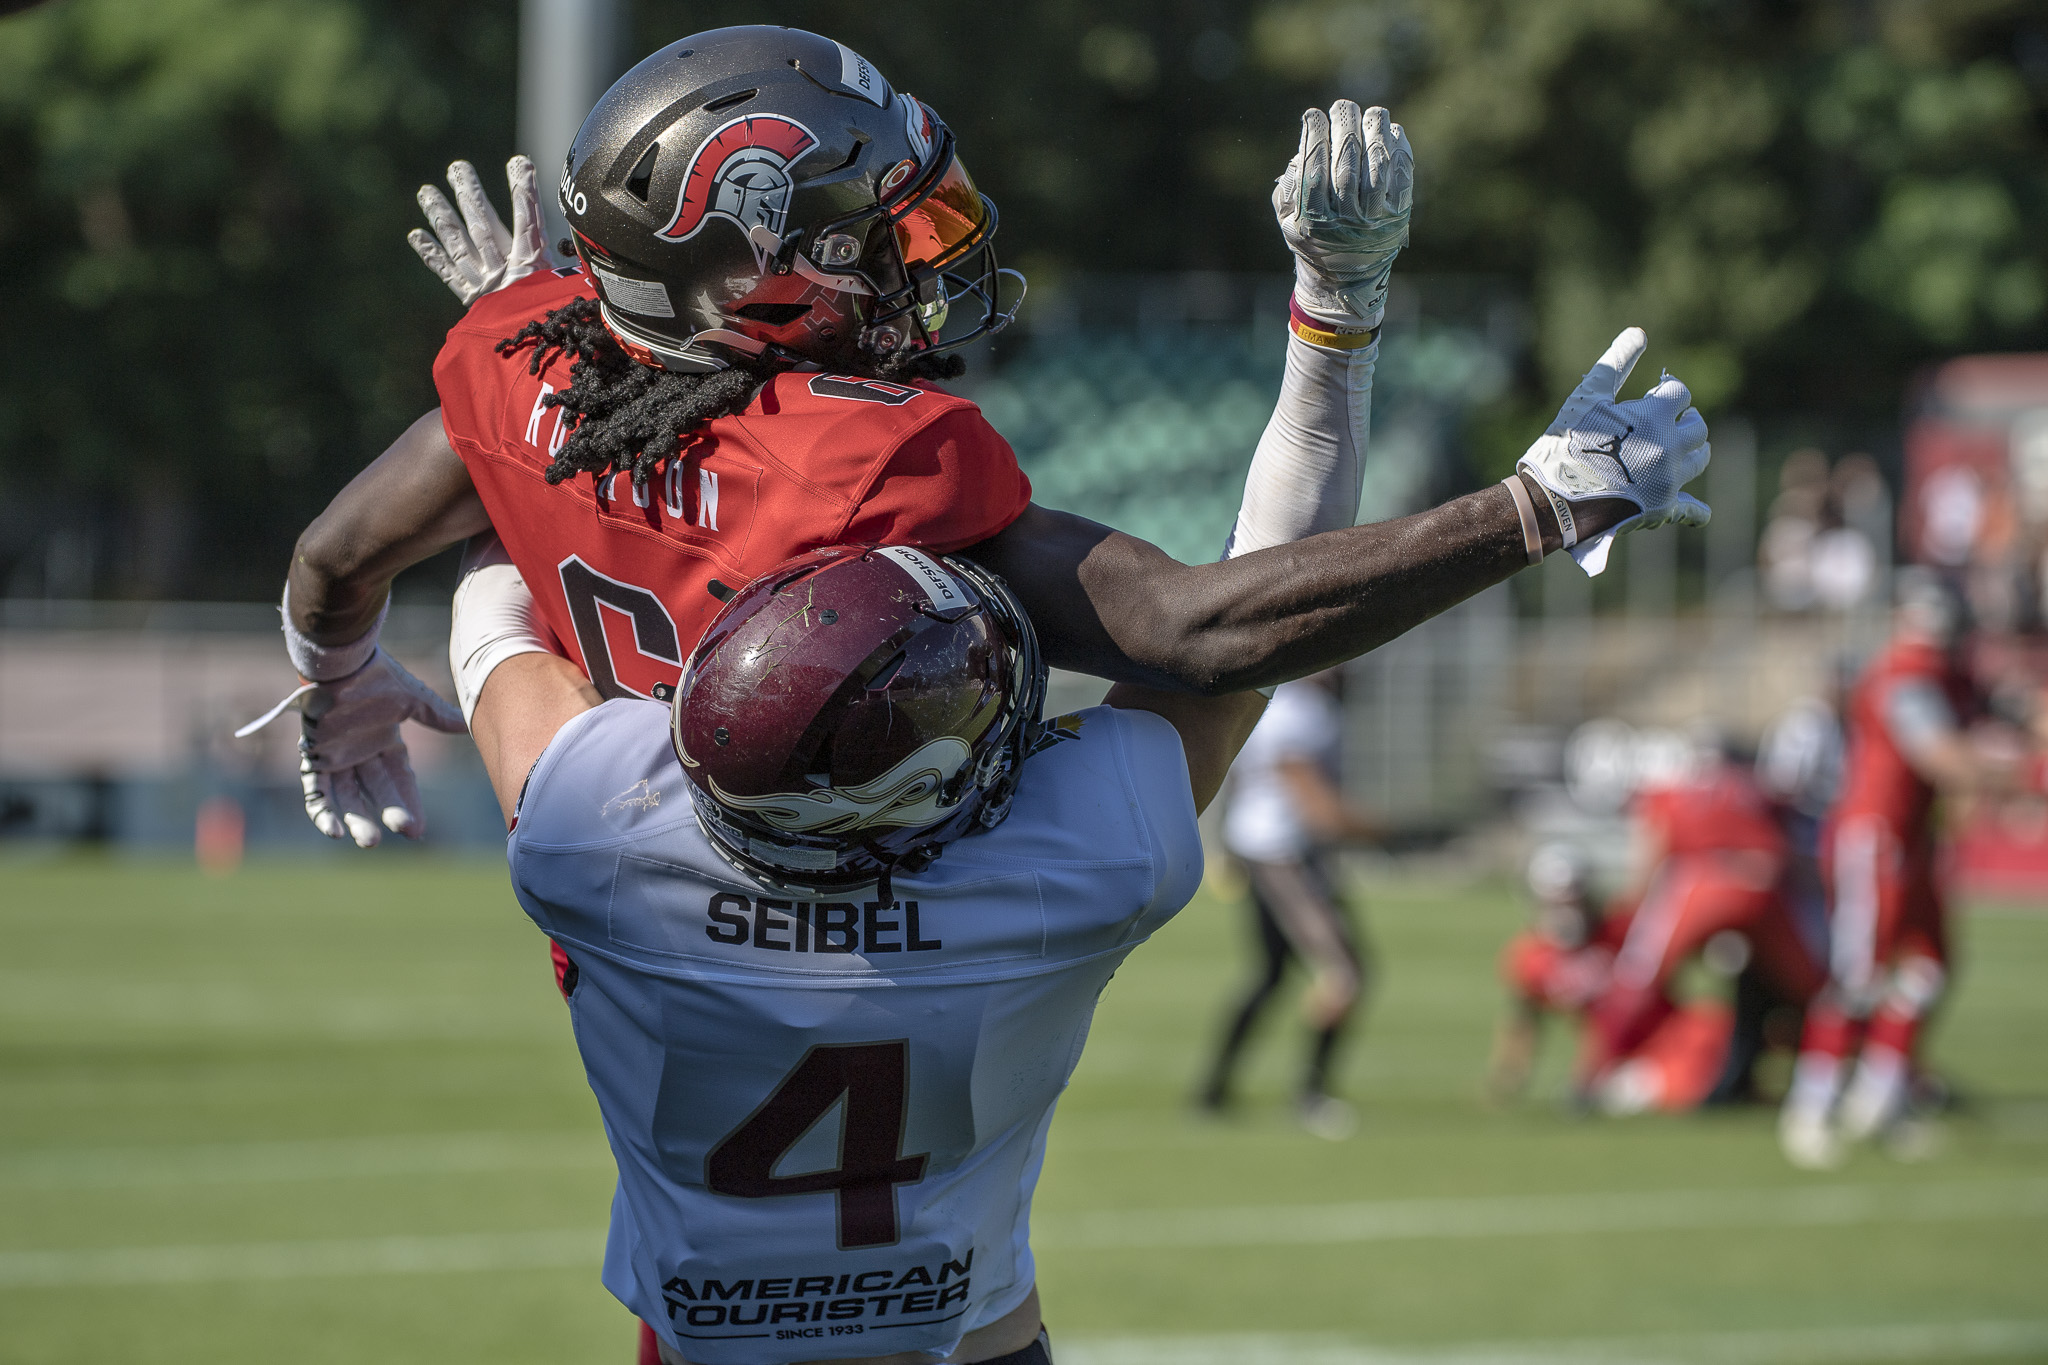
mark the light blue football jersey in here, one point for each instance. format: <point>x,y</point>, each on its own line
<point>829,1117</point>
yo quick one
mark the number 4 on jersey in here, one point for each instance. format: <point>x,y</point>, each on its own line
<point>873,1078</point>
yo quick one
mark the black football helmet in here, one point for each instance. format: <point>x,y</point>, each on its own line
<point>764,190</point>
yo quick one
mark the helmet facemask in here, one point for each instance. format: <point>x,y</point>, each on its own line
<point>901,264</point>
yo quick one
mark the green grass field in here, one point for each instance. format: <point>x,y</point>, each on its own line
<point>331,1112</point>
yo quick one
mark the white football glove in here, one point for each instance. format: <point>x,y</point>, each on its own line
<point>1343,205</point>
<point>476,254</point>
<point>1643,451</point>
<point>352,761</point>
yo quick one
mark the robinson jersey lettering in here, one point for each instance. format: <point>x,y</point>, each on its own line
<point>622,574</point>
<point>829,1116</point>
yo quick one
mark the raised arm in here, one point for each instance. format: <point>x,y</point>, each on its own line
<point>1286,602</point>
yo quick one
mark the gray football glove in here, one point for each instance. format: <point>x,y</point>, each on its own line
<point>1643,451</point>
<point>1343,206</point>
<point>353,767</point>
<point>476,254</point>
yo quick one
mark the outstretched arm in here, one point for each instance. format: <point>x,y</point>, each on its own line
<point>1117,607</point>
<point>412,502</point>
<point>1108,604</point>
<point>1924,725</point>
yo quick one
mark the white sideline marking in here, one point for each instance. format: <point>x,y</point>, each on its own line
<point>301,1260</point>
<point>1410,1219</point>
<point>234,1163</point>
<point>1794,1346</point>
<point>1543,1215</point>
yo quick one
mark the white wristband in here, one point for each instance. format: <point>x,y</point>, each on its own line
<point>494,618</point>
<point>1532,533</point>
<point>327,663</point>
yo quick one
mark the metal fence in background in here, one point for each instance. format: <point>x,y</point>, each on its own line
<point>115,718</point>
<point>117,725</point>
<point>1457,718</point>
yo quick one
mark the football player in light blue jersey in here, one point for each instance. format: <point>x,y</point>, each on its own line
<point>826,1055</point>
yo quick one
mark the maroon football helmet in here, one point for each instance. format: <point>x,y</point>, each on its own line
<point>853,710</point>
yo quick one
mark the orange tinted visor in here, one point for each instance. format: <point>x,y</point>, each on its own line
<point>946,224</point>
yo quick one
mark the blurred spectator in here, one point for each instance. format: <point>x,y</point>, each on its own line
<point>1786,547</point>
<point>1843,567</point>
<point>1953,516</point>
<point>1856,519</point>
<point>1821,545</point>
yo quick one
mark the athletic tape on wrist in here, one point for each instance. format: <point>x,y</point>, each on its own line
<point>328,663</point>
<point>1532,534</point>
<point>1329,335</point>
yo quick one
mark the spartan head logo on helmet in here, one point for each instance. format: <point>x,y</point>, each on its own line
<point>740,174</point>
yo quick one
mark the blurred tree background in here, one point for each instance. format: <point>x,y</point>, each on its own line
<point>217,321</point>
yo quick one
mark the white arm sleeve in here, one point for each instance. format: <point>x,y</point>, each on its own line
<point>494,618</point>
<point>1305,475</point>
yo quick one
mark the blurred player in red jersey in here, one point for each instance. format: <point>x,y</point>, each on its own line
<point>1559,965</point>
<point>1906,744</point>
<point>1712,859</point>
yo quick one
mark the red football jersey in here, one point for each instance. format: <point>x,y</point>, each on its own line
<point>1722,811</point>
<point>1547,974</point>
<point>622,575</point>
<point>1876,779</point>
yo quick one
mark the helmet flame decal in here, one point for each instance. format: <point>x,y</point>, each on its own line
<point>740,174</point>
<point>911,793</point>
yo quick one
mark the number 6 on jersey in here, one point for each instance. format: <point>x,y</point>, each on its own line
<point>873,1078</point>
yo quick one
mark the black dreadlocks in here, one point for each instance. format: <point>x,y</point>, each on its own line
<point>631,417</point>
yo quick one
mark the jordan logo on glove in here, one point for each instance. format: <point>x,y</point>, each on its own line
<point>1643,451</point>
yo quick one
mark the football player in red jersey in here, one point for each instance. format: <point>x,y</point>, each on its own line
<point>770,238</point>
<point>1559,965</point>
<point>1712,859</point>
<point>1888,956</point>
